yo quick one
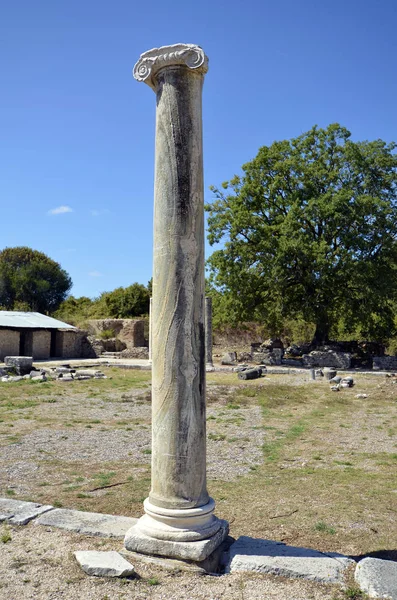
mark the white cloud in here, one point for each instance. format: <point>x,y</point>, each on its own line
<point>97,212</point>
<point>60,210</point>
<point>95,274</point>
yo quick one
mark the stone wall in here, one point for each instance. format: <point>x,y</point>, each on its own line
<point>69,344</point>
<point>129,331</point>
<point>38,344</point>
<point>385,363</point>
<point>327,358</point>
<point>9,343</point>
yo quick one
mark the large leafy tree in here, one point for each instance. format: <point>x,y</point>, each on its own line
<point>124,303</point>
<point>309,230</point>
<point>31,280</point>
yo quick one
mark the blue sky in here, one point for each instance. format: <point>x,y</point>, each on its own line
<point>77,132</point>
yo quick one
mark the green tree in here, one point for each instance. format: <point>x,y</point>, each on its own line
<point>75,310</point>
<point>309,231</point>
<point>124,303</point>
<point>31,280</point>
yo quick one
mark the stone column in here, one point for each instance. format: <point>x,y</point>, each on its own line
<point>150,329</point>
<point>179,520</point>
<point>208,331</point>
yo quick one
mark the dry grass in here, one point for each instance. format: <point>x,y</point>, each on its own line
<point>288,459</point>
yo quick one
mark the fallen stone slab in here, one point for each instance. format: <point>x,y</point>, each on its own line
<point>104,564</point>
<point>170,564</point>
<point>267,556</point>
<point>377,577</point>
<point>87,522</point>
<point>19,512</point>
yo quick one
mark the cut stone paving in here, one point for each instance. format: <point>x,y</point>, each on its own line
<point>18,512</point>
<point>377,577</point>
<point>87,522</point>
<point>267,556</point>
<point>104,564</point>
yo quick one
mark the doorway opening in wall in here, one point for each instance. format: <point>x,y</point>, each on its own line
<point>53,347</point>
<point>22,343</point>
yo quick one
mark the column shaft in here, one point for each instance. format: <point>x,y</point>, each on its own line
<point>208,330</point>
<point>178,371</point>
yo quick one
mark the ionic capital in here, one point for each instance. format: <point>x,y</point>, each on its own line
<point>150,62</point>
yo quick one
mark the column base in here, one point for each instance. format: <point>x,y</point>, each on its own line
<point>188,533</point>
<point>197,551</point>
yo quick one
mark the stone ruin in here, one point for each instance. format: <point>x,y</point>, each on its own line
<point>117,338</point>
<point>339,355</point>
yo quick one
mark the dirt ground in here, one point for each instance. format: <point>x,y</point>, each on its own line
<point>288,459</point>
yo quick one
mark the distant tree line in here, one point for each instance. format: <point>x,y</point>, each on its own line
<point>121,303</point>
<point>305,241</point>
<point>31,281</point>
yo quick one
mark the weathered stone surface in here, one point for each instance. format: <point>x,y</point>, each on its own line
<point>171,564</point>
<point>384,363</point>
<point>347,382</point>
<point>267,556</point>
<point>329,373</point>
<point>19,512</point>
<point>178,510</point>
<point>243,357</point>
<point>208,330</point>
<point>14,379</point>
<point>196,551</point>
<point>229,358</point>
<point>327,358</point>
<point>268,357</point>
<point>87,522</point>
<point>65,377</point>
<point>21,364</point>
<point>273,343</point>
<point>377,577</point>
<point>104,564</point>
<point>250,374</point>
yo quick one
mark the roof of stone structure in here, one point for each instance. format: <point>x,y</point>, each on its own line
<point>33,320</point>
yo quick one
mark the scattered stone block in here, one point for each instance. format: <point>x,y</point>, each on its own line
<point>329,373</point>
<point>38,378</point>
<point>384,363</point>
<point>65,377</point>
<point>250,374</point>
<point>19,512</point>
<point>362,396</point>
<point>327,358</point>
<point>87,522</point>
<point>13,379</point>
<point>347,382</point>
<point>104,564</point>
<point>171,564</point>
<point>240,368</point>
<point>21,364</point>
<point>267,556</point>
<point>230,358</point>
<point>377,577</point>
